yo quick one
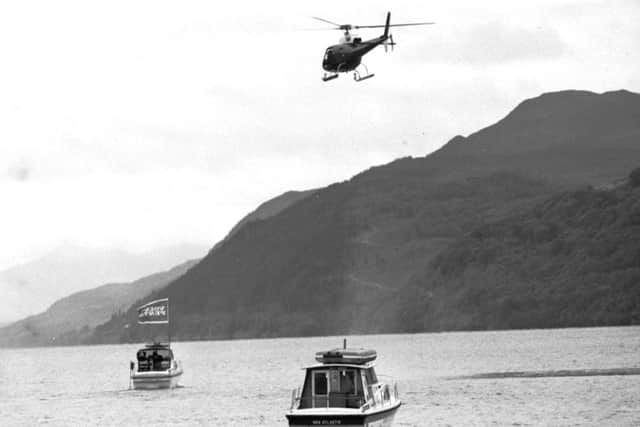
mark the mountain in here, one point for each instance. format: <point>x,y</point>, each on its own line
<point>568,138</point>
<point>270,208</point>
<point>72,318</point>
<point>572,260</point>
<point>31,287</point>
<point>356,257</point>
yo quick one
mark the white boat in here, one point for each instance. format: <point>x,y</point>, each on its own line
<point>343,389</point>
<point>155,368</point>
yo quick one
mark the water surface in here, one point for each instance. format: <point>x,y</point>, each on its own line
<point>462,378</point>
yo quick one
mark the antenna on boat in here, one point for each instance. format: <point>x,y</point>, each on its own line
<point>131,368</point>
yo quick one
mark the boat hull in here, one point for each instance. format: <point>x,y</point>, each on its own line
<point>156,380</point>
<point>383,418</point>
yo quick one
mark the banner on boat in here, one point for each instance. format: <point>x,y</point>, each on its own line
<point>154,312</point>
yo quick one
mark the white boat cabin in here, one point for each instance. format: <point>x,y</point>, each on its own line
<point>345,378</point>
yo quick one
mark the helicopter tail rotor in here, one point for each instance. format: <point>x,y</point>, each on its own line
<point>388,43</point>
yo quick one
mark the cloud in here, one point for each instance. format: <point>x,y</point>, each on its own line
<point>492,43</point>
<point>204,112</point>
<point>20,172</point>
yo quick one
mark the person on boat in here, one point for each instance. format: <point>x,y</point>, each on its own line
<point>156,360</point>
<point>142,361</point>
<point>150,361</point>
<point>346,383</point>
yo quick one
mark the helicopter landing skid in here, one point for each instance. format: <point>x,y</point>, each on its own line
<point>359,77</point>
<point>328,76</point>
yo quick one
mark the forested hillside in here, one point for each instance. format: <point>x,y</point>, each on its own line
<point>572,260</point>
<point>387,249</point>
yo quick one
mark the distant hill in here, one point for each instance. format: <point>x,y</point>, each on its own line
<point>354,257</point>
<point>71,319</point>
<point>31,287</point>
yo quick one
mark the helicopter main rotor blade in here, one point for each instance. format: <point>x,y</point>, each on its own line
<point>327,21</point>
<point>319,29</point>
<point>394,25</point>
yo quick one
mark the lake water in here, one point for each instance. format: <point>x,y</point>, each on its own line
<point>249,382</point>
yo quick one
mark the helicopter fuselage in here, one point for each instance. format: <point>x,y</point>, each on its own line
<point>345,57</point>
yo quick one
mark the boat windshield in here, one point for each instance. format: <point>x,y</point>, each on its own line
<point>372,378</point>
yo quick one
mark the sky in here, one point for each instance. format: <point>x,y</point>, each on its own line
<point>138,124</point>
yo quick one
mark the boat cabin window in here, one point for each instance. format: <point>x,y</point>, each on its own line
<point>154,359</point>
<point>371,376</point>
<point>320,383</point>
<point>337,387</point>
<point>348,381</point>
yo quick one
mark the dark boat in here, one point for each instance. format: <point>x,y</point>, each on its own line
<point>343,389</point>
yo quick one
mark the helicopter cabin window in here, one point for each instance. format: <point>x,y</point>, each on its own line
<point>328,55</point>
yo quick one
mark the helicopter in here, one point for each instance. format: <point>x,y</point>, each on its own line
<point>347,55</point>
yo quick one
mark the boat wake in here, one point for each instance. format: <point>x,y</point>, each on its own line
<point>555,373</point>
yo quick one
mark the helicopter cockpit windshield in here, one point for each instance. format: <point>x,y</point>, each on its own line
<point>328,55</point>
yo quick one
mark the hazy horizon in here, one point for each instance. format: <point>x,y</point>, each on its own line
<point>30,288</point>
